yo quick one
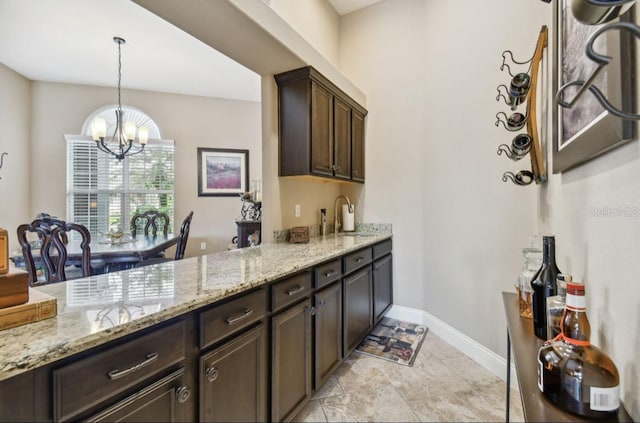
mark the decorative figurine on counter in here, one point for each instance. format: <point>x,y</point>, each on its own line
<point>251,210</point>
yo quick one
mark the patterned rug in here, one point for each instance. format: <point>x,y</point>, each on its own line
<point>394,340</point>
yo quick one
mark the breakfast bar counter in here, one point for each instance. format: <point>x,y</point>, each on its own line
<point>99,309</point>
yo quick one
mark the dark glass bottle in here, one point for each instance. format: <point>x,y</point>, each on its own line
<point>544,285</point>
<point>574,374</point>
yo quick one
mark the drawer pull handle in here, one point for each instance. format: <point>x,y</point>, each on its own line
<point>212,373</point>
<point>183,394</point>
<point>246,313</point>
<point>359,259</point>
<point>329,273</point>
<point>294,291</point>
<point>117,374</point>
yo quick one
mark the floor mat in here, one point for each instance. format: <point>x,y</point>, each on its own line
<point>394,340</point>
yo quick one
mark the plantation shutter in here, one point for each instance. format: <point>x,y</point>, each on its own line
<point>103,193</point>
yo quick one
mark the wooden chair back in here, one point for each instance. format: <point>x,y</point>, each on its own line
<point>53,235</point>
<point>153,220</point>
<point>184,236</point>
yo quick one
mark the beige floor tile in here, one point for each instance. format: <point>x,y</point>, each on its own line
<point>331,388</point>
<point>376,404</point>
<point>360,372</point>
<point>442,385</point>
<point>312,412</point>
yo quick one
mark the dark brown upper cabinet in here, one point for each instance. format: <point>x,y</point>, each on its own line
<point>321,128</point>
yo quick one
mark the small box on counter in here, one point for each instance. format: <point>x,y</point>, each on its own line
<point>298,234</point>
<point>39,307</point>
<point>14,288</point>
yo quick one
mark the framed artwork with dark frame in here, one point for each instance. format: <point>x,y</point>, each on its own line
<point>587,129</point>
<point>222,172</point>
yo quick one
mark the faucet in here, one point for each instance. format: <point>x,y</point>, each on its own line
<point>336,223</point>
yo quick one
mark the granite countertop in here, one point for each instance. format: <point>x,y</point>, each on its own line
<point>99,309</point>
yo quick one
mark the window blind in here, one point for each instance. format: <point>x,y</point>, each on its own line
<point>103,193</point>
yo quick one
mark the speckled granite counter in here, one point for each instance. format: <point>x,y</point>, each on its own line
<point>99,309</point>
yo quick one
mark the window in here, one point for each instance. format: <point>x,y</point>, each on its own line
<point>103,193</point>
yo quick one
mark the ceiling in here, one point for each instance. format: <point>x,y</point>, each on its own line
<point>347,6</point>
<point>71,41</point>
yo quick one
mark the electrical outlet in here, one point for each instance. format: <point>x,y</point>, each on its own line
<point>203,245</point>
<point>297,210</point>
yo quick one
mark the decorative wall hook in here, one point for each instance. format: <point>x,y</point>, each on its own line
<point>520,147</point>
<point>510,100</point>
<point>506,65</point>
<point>522,178</point>
<point>514,122</point>
<point>2,160</point>
<point>602,62</point>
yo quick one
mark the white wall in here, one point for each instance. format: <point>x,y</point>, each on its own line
<point>14,140</point>
<point>191,121</point>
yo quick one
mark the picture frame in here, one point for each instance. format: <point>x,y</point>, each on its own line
<point>222,172</point>
<point>587,130</point>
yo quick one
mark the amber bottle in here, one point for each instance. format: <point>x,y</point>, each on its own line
<point>574,374</point>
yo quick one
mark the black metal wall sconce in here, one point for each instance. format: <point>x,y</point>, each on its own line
<point>522,89</point>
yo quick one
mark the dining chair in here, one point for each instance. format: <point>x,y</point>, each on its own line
<point>53,236</point>
<point>152,221</point>
<point>180,246</point>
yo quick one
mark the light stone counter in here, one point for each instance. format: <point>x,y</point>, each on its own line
<point>99,309</point>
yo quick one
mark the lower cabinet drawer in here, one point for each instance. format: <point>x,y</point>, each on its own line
<point>290,290</point>
<point>92,380</point>
<point>356,260</point>
<point>162,401</point>
<point>225,319</point>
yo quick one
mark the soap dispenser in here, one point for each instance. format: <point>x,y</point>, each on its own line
<point>323,222</point>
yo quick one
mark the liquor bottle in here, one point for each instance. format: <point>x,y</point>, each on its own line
<point>574,374</point>
<point>544,285</point>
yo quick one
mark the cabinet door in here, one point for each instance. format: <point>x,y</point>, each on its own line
<point>357,146</point>
<point>342,139</point>
<point>382,286</point>
<point>321,130</point>
<point>162,401</point>
<point>233,380</point>
<point>358,308</point>
<point>291,361</point>
<point>328,333</point>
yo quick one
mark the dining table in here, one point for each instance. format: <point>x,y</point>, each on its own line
<point>110,255</point>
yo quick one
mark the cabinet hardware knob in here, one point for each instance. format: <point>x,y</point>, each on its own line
<point>246,313</point>
<point>327,274</point>
<point>323,303</point>
<point>359,259</point>
<point>117,374</point>
<point>212,373</point>
<point>312,311</point>
<point>183,393</point>
<point>294,291</point>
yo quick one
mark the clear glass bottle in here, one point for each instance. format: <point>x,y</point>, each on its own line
<point>572,373</point>
<point>544,285</point>
<point>532,261</point>
<point>555,306</point>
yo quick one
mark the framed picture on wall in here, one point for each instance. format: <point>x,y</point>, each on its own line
<point>587,129</point>
<point>222,172</point>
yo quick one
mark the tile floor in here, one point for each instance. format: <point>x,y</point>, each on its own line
<point>443,385</point>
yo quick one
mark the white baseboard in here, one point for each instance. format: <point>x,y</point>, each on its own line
<point>476,351</point>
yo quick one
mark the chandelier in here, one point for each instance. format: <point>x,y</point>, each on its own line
<point>121,143</point>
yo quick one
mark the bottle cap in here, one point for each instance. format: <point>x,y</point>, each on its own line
<point>575,288</point>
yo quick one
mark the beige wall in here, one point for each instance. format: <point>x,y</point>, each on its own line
<point>14,140</point>
<point>189,120</point>
<point>430,85</point>
<point>316,21</point>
